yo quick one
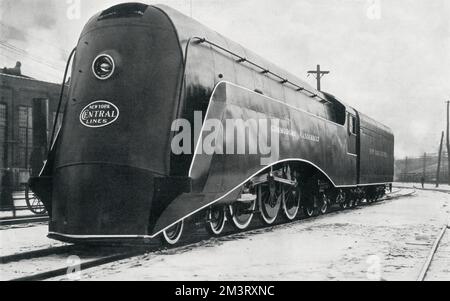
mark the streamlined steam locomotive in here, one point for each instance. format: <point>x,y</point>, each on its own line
<point>144,76</point>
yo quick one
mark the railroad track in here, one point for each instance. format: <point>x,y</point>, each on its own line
<point>44,260</point>
<point>23,220</point>
<point>97,256</point>
<point>427,265</point>
<point>82,266</point>
<point>423,189</point>
<point>394,195</point>
<point>35,254</point>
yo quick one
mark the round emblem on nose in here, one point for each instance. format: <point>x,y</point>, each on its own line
<point>103,66</point>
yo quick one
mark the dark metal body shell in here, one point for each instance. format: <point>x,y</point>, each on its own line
<point>376,152</point>
<point>104,177</point>
<point>123,181</point>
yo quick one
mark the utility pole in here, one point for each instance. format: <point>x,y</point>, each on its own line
<point>439,160</point>
<point>424,171</point>
<point>318,74</point>
<point>448,139</point>
<point>406,170</point>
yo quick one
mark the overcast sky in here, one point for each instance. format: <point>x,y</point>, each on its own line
<point>388,58</point>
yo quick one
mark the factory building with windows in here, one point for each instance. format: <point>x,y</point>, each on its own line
<point>27,111</point>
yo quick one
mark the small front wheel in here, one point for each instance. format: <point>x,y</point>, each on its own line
<point>215,220</point>
<point>172,235</point>
<point>308,210</point>
<point>342,200</point>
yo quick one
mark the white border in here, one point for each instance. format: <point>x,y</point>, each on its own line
<point>98,236</point>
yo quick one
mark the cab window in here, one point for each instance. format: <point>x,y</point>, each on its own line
<point>352,124</point>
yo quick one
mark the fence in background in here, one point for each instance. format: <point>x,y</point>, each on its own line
<point>412,169</point>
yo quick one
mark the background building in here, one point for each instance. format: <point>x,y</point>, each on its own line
<point>17,129</point>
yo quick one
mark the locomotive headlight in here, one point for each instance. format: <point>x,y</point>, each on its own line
<point>103,66</point>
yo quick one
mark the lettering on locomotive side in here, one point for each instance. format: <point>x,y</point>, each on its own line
<point>99,114</point>
<point>294,134</point>
<point>378,153</point>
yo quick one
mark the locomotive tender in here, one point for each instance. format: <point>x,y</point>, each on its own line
<point>112,173</point>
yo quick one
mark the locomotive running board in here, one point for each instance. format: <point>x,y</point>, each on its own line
<point>264,179</point>
<point>247,198</point>
<point>285,181</point>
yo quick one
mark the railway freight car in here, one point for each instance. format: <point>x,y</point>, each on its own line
<point>142,77</point>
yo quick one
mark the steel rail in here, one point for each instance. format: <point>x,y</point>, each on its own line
<point>35,254</point>
<point>427,264</point>
<point>83,266</point>
<point>23,220</point>
<point>395,196</point>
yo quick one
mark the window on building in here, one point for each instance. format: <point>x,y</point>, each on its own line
<point>3,127</point>
<point>25,136</point>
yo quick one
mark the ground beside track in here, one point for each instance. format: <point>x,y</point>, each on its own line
<point>385,241</point>
<point>25,239</point>
<point>427,186</point>
<point>22,240</point>
<point>439,269</point>
<point>19,201</point>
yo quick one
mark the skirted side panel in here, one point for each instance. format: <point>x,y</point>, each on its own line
<point>291,134</point>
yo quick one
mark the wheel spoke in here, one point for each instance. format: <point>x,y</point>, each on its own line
<point>215,220</point>
<point>270,201</point>
<point>324,204</point>
<point>291,202</point>
<point>242,214</point>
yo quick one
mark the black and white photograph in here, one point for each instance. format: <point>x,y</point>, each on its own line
<point>240,143</point>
